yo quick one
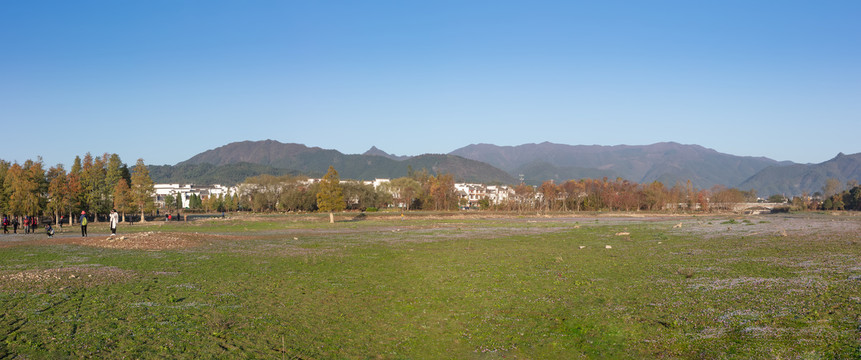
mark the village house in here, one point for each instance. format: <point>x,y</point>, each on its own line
<point>184,192</point>
<point>470,194</point>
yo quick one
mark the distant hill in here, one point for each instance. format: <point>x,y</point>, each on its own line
<point>207,174</point>
<point>313,160</point>
<point>798,178</point>
<point>537,172</point>
<point>377,152</point>
<point>667,162</point>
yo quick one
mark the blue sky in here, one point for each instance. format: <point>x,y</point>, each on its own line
<point>165,80</point>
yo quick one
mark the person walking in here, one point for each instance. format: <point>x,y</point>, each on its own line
<point>15,224</point>
<point>5,225</point>
<point>26,224</point>
<point>115,218</point>
<point>83,222</point>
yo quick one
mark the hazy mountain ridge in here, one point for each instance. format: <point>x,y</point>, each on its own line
<point>798,178</point>
<point>667,162</point>
<point>207,174</point>
<point>377,152</point>
<point>312,160</point>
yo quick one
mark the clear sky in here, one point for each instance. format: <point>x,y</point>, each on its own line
<point>164,80</point>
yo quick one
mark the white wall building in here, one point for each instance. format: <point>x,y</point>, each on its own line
<point>376,183</point>
<point>473,193</point>
<point>184,192</point>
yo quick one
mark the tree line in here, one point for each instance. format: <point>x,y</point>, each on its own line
<point>101,183</point>
<point>94,184</point>
<point>622,195</point>
<point>419,190</point>
<point>836,198</point>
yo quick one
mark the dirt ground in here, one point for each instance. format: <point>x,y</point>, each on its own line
<point>150,240</point>
<point>703,226</point>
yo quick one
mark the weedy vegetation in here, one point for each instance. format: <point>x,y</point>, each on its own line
<point>434,286</point>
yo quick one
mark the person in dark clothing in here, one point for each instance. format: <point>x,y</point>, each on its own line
<point>5,225</point>
<point>83,222</point>
<point>15,225</point>
<point>49,230</point>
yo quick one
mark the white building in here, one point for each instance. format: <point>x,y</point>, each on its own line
<point>471,194</point>
<point>184,192</point>
<point>376,183</point>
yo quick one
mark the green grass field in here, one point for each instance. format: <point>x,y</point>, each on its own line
<point>442,287</point>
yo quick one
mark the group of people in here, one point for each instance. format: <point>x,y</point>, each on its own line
<point>31,223</point>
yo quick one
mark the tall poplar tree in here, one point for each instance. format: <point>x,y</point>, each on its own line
<point>123,198</point>
<point>59,200</point>
<point>142,188</point>
<point>113,174</point>
<point>330,197</point>
<point>89,177</point>
<point>4,194</point>
<point>17,188</point>
<point>38,197</point>
<point>73,186</point>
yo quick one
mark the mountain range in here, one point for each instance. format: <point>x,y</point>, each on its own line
<point>799,178</point>
<point>314,161</point>
<point>667,162</point>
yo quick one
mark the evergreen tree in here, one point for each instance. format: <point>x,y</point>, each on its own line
<point>73,188</point>
<point>123,201</point>
<point>102,191</point>
<point>17,188</point>
<point>142,188</point>
<point>4,195</point>
<point>194,202</point>
<point>76,166</point>
<point>169,202</point>
<point>113,174</point>
<point>59,199</point>
<point>92,181</point>
<point>330,197</point>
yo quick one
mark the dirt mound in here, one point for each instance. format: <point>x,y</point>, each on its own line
<point>150,240</point>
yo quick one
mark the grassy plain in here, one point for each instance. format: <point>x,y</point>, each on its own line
<point>434,286</point>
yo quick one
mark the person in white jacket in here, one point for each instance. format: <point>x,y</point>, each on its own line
<point>115,218</point>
